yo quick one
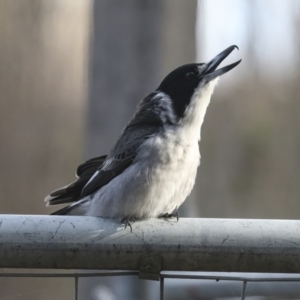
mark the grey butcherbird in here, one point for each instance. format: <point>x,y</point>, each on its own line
<point>152,167</point>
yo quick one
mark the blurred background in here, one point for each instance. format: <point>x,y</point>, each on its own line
<point>72,73</point>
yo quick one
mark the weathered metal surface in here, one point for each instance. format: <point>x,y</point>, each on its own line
<point>67,242</point>
<point>150,267</point>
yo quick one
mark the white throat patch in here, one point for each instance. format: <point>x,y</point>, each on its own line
<point>195,112</point>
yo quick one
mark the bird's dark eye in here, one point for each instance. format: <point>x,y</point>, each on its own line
<point>190,75</point>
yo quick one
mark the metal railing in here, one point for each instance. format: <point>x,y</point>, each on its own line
<point>153,247</point>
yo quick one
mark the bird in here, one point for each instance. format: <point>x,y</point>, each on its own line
<point>152,167</point>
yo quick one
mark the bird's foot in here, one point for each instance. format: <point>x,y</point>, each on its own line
<point>127,221</point>
<point>174,214</point>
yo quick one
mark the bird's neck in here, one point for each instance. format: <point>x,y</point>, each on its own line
<point>195,113</point>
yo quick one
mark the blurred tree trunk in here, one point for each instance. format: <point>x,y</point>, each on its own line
<point>43,71</point>
<point>134,44</point>
<point>124,66</point>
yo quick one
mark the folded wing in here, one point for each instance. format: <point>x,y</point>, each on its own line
<point>72,192</point>
<point>120,158</point>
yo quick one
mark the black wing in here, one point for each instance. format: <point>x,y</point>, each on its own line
<point>120,158</point>
<point>72,192</point>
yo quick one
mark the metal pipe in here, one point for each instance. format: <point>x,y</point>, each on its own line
<point>228,245</point>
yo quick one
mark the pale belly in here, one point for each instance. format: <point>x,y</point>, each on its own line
<point>158,182</point>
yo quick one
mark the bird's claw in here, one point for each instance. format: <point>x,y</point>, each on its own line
<point>127,222</point>
<point>174,214</point>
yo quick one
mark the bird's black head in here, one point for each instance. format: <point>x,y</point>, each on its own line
<point>181,83</point>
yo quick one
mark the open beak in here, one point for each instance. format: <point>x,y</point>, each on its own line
<point>211,72</point>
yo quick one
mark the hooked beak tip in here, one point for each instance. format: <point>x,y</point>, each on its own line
<point>211,71</point>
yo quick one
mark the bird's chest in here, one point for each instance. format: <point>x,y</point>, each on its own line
<point>168,171</point>
<point>173,158</point>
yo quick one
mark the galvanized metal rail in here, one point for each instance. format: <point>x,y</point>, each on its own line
<point>225,245</point>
